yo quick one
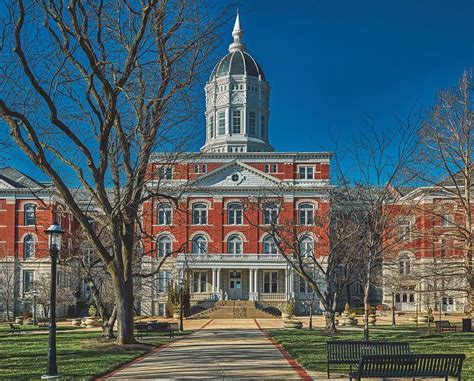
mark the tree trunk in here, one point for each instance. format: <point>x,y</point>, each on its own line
<point>108,325</point>
<point>366,316</point>
<point>311,316</point>
<point>124,306</point>
<point>393,308</point>
<point>330,325</point>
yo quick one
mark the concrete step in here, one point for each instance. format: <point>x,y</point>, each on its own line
<point>237,309</point>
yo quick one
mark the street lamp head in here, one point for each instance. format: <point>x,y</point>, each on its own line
<point>55,233</point>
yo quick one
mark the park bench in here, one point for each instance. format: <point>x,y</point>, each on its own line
<point>349,352</point>
<point>14,328</point>
<point>409,366</point>
<point>163,327</point>
<point>140,329</point>
<point>444,325</point>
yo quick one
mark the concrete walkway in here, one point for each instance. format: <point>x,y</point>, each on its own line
<point>215,352</point>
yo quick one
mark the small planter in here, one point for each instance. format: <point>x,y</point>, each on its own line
<point>91,322</point>
<point>349,321</point>
<point>19,320</point>
<point>293,324</point>
<point>76,322</point>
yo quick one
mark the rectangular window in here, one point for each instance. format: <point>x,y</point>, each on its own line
<point>267,168</point>
<point>204,168</point>
<point>263,128</point>
<point>165,173</point>
<point>270,282</point>
<point>163,279</point>
<point>211,126</point>
<point>161,309</point>
<point>306,172</point>
<point>404,229</point>
<point>271,168</point>
<point>221,123</point>
<point>236,122</point>
<point>28,280</point>
<point>200,168</point>
<point>302,285</point>
<point>30,211</point>
<point>448,220</point>
<point>270,215</point>
<point>164,215</point>
<point>200,281</point>
<point>252,123</point>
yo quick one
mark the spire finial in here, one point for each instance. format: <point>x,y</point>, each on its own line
<point>237,34</point>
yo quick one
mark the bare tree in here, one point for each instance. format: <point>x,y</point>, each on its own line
<point>447,138</point>
<point>8,284</point>
<point>90,90</point>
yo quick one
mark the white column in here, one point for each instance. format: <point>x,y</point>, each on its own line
<point>255,280</point>
<point>292,283</point>
<point>218,282</point>
<point>213,281</point>
<point>251,291</point>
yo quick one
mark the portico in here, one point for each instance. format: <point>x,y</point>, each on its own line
<point>255,277</point>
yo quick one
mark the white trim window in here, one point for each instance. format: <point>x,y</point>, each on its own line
<point>235,214</point>
<point>199,281</point>
<point>164,214</point>
<point>199,245</point>
<point>270,282</point>
<point>306,214</point>
<point>404,265</point>
<point>236,122</point>
<point>210,126</point>
<point>448,220</point>
<point>29,247</point>
<point>221,129</point>
<point>270,214</point>
<point>165,246</point>
<point>306,246</point>
<point>271,168</point>
<point>199,213</point>
<point>30,214</point>
<point>306,172</point>
<point>163,280</point>
<point>404,229</point>
<point>28,281</point>
<point>235,245</point>
<point>252,123</point>
<point>269,245</point>
<point>165,173</point>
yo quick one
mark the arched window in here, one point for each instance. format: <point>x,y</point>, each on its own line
<point>306,246</point>
<point>199,214</point>
<point>164,246</point>
<point>306,214</point>
<point>30,214</point>
<point>269,245</point>
<point>404,265</point>
<point>235,214</point>
<point>234,245</point>
<point>28,247</point>
<point>270,214</point>
<point>164,214</point>
<point>200,245</point>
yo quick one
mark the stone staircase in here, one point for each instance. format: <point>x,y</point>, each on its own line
<point>233,309</point>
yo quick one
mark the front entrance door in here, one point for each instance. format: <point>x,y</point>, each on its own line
<point>235,285</point>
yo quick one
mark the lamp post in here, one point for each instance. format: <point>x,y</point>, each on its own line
<point>34,294</point>
<point>54,233</point>
<point>181,293</point>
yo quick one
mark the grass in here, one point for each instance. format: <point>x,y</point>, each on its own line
<point>81,355</point>
<point>309,347</point>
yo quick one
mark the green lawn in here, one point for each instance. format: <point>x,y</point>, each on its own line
<point>81,355</point>
<point>309,347</point>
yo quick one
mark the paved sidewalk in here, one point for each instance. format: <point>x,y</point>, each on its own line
<point>215,352</point>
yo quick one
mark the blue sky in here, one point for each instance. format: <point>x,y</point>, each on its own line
<point>333,63</point>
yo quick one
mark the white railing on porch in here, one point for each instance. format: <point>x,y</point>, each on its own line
<point>274,297</point>
<point>231,257</point>
<point>199,297</point>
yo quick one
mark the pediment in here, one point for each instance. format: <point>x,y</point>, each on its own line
<point>6,185</point>
<point>236,175</point>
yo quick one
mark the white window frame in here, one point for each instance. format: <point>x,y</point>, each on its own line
<point>237,121</point>
<point>200,214</point>
<point>235,214</point>
<point>306,214</point>
<point>448,220</point>
<point>269,246</point>
<point>306,172</point>
<point>306,246</point>
<point>199,282</point>
<point>270,213</point>
<point>252,123</point>
<point>199,244</point>
<point>164,245</point>
<point>235,245</point>
<point>221,126</point>
<point>31,245</point>
<point>29,214</point>
<point>270,278</point>
<point>165,173</point>
<point>404,229</point>
<point>164,214</point>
